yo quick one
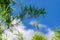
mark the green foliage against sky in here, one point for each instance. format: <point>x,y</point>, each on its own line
<point>38,37</point>
<point>6,18</point>
<point>56,34</point>
<point>6,12</point>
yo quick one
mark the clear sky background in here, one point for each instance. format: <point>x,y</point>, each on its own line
<point>52,16</point>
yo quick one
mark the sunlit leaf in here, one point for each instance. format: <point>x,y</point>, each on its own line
<point>38,37</point>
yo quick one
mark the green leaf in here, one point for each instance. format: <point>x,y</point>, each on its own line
<point>38,37</point>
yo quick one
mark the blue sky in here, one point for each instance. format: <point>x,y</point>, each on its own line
<point>52,16</point>
<point>52,7</point>
<point>47,23</point>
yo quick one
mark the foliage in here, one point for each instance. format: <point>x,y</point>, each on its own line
<point>1,31</point>
<point>38,37</point>
<point>57,34</point>
<point>19,36</point>
<point>5,13</point>
<point>32,11</point>
<point>6,37</point>
<point>36,25</point>
<point>6,16</point>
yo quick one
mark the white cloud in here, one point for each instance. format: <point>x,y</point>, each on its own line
<point>32,22</point>
<point>42,26</point>
<point>27,34</point>
<point>8,34</point>
<point>39,25</point>
<point>15,21</point>
<point>49,34</point>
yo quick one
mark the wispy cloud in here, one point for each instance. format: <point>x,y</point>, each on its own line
<point>27,34</point>
<point>50,32</point>
<point>39,25</point>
